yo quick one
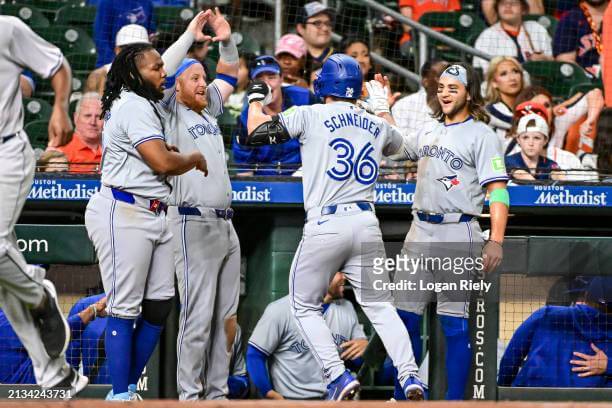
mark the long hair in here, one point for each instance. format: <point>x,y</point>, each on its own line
<point>476,103</point>
<point>124,74</point>
<point>492,94</point>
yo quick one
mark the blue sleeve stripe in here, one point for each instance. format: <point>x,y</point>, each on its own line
<point>259,348</point>
<point>498,178</point>
<point>227,78</point>
<point>146,139</point>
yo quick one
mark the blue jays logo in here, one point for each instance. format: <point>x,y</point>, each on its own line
<point>453,70</point>
<point>449,181</point>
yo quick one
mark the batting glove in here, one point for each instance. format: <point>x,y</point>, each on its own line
<point>378,97</point>
<point>259,91</point>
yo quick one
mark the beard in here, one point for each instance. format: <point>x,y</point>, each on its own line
<point>150,91</point>
<point>456,109</point>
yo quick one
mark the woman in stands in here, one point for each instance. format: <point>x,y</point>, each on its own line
<point>505,81</point>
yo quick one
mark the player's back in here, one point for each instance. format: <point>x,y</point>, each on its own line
<point>341,148</point>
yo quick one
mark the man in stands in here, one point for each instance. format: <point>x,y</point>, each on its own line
<point>84,151</point>
<point>513,37</point>
<point>129,34</point>
<point>578,37</point>
<point>316,26</point>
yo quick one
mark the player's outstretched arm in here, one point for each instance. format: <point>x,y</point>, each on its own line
<point>229,60</point>
<point>173,57</point>
<point>60,126</point>
<point>262,129</point>
<point>167,161</point>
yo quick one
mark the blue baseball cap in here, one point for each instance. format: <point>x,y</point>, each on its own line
<point>599,290</point>
<point>265,63</point>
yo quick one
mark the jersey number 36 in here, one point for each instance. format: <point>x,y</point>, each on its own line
<point>364,167</point>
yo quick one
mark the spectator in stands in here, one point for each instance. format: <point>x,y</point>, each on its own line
<point>291,53</point>
<point>52,161</point>
<point>315,27</point>
<point>561,118</point>
<point>414,9</point>
<point>235,103</point>
<point>412,112</point>
<point>266,68</point>
<point>505,81</point>
<point>564,159</point>
<point>513,37</point>
<point>16,367</point>
<point>530,163</point>
<point>578,37</point>
<point>277,353</point>
<point>84,151</point>
<point>128,34</point>
<point>111,15</point>
<point>359,49</point>
<point>490,13</point>
<point>541,351</point>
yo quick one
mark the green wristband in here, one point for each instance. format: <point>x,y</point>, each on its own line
<point>500,195</point>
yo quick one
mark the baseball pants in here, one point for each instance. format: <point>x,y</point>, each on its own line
<point>21,284</point>
<point>347,241</point>
<point>207,259</point>
<point>437,241</point>
<point>134,249</point>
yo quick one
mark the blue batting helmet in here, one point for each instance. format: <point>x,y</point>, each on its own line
<point>340,76</point>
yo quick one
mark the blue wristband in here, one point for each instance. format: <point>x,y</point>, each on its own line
<point>229,79</point>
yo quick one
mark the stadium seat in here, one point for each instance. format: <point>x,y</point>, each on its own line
<point>38,133</point>
<point>27,13</point>
<point>77,16</point>
<point>82,64</point>
<point>36,109</point>
<point>558,77</point>
<point>69,39</point>
<point>167,17</point>
<point>49,7</point>
<point>462,26</point>
<point>546,21</point>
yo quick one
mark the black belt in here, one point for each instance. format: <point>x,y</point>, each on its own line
<point>226,214</point>
<point>5,139</point>
<point>331,209</point>
<point>439,218</point>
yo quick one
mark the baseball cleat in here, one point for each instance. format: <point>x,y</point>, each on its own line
<point>121,397</point>
<point>73,384</point>
<point>342,388</point>
<point>134,391</point>
<point>52,326</point>
<point>414,388</point>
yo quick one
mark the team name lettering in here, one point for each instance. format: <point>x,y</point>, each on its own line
<point>442,153</point>
<point>353,120</point>
<point>202,129</point>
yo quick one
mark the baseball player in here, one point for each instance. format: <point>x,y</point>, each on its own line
<point>459,157</point>
<point>28,300</point>
<point>206,247</point>
<point>341,146</point>
<point>279,361</point>
<point>126,219</point>
<point>238,381</point>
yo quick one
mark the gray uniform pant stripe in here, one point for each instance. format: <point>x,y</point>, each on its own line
<point>20,283</point>
<point>207,262</point>
<point>349,244</point>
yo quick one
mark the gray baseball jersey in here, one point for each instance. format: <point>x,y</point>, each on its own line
<point>189,130</point>
<point>293,370</point>
<point>130,122</point>
<point>341,147</point>
<point>21,48</point>
<point>455,162</point>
